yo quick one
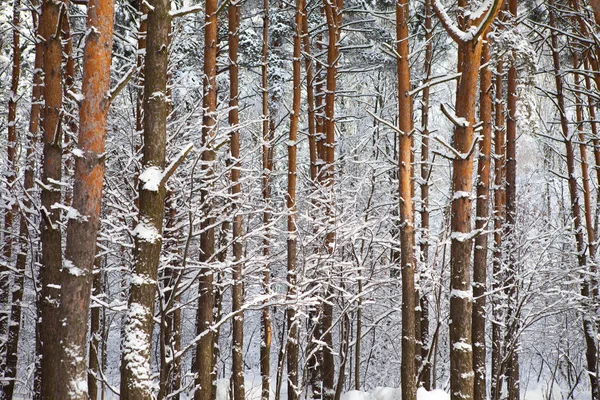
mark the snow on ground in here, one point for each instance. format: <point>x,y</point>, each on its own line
<point>386,393</point>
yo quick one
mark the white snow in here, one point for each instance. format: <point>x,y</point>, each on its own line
<point>151,177</point>
<point>388,393</point>
<point>435,394</point>
<point>146,232</point>
<point>136,347</point>
<point>73,270</point>
<point>462,294</point>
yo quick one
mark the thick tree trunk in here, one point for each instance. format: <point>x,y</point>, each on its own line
<point>84,220</point>
<point>51,172</point>
<point>136,375</point>
<point>461,352</point>
<point>407,234</point>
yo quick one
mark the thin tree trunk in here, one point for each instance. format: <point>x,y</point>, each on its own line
<point>204,350</point>
<point>511,212</point>
<point>481,221</point>
<point>11,176</point>
<point>267,164</point>
<point>95,335</point>
<point>136,375</point>
<point>499,215</point>
<point>424,378</point>
<point>292,346</point>
<point>238,285</point>
<point>333,13</point>
<point>8,321</point>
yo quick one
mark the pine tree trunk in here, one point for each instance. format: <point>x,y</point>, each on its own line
<point>509,230</point>
<point>136,375</point>
<point>51,171</point>
<point>204,350</point>
<point>267,164</point>
<point>424,378</point>
<point>82,228</point>
<point>333,14</point>
<point>10,306</point>
<point>292,345</point>
<point>11,176</point>
<point>96,336</point>
<point>481,221</point>
<point>407,235</point>
<point>238,285</point>
<point>461,353</point>
<point>499,215</point>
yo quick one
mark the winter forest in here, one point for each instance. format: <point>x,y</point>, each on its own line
<point>319,199</point>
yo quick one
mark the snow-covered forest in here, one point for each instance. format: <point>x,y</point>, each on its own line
<point>319,199</point>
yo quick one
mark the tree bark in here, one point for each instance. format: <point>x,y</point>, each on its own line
<point>6,318</point>
<point>499,215</point>
<point>96,336</point>
<point>51,173</point>
<point>11,211</point>
<point>405,173</point>
<point>292,346</point>
<point>136,375</point>
<point>267,164</point>
<point>333,14</point>
<point>238,285</point>
<point>204,349</point>
<point>481,221</point>
<point>424,378</point>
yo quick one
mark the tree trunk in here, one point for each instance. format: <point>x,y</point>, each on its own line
<point>405,173</point>
<point>509,228</point>
<point>8,339</point>
<point>204,349</point>
<point>499,215</point>
<point>461,357</point>
<point>424,378</point>
<point>136,375</point>
<point>11,176</point>
<point>481,221</point>
<point>238,285</point>
<point>96,336</point>
<point>51,172</point>
<point>267,164</point>
<point>333,13</point>
<point>84,215</point>
<point>292,346</point>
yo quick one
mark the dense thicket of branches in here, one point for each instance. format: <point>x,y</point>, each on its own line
<point>263,199</point>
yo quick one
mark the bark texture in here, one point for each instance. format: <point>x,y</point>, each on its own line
<point>136,375</point>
